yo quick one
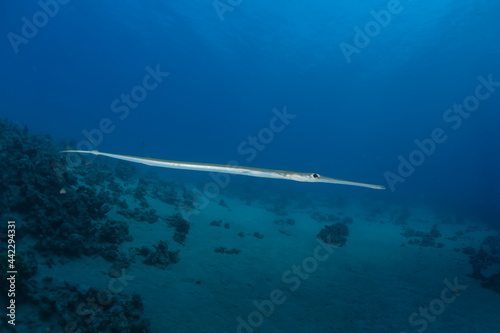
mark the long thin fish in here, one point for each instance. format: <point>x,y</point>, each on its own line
<point>231,169</point>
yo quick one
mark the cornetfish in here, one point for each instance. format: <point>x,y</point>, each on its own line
<point>231,169</point>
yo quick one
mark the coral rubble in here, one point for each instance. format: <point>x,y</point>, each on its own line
<point>423,238</point>
<point>334,234</point>
<point>161,257</point>
<point>181,227</point>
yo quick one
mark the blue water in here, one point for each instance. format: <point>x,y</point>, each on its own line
<point>354,112</point>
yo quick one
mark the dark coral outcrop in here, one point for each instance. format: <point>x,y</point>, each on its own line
<point>484,258</point>
<point>422,238</point>
<point>335,234</point>
<point>160,257</point>
<point>181,226</point>
<point>87,309</point>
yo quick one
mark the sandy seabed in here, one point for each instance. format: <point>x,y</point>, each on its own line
<point>292,282</point>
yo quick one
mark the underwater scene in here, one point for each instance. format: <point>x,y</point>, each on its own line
<point>232,166</point>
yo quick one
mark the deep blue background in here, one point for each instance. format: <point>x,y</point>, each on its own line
<point>353,120</point>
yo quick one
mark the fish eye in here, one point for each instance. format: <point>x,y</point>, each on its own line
<point>315,175</point>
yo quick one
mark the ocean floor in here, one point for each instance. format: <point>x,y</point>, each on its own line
<point>111,250</point>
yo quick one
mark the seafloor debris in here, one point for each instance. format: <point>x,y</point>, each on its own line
<point>87,309</point>
<point>492,243</point>
<point>161,257</point>
<point>114,232</point>
<point>335,234</point>
<point>26,267</point>
<point>216,223</point>
<point>469,250</point>
<point>222,203</point>
<point>486,256</point>
<point>284,232</point>
<point>164,191</point>
<point>64,213</point>
<point>493,283</point>
<point>125,171</point>
<point>321,217</point>
<point>258,235</point>
<point>222,249</point>
<point>283,221</point>
<point>181,227</point>
<point>140,214</point>
<point>423,238</point>
<point>67,223</point>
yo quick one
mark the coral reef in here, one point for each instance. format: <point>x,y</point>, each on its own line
<point>469,250</point>
<point>125,171</point>
<point>188,200</point>
<point>335,234</point>
<point>114,232</point>
<point>140,190</point>
<point>64,216</point>
<point>492,243</point>
<point>493,283</point>
<point>161,257</point>
<point>486,256</point>
<point>216,223</point>
<point>26,266</point>
<point>422,238</point>
<point>31,174</point>
<point>87,309</point>
<point>64,213</point>
<point>140,214</point>
<point>181,227</point>
<point>87,237</point>
<point>222,249</point>
<point>258,235</point>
